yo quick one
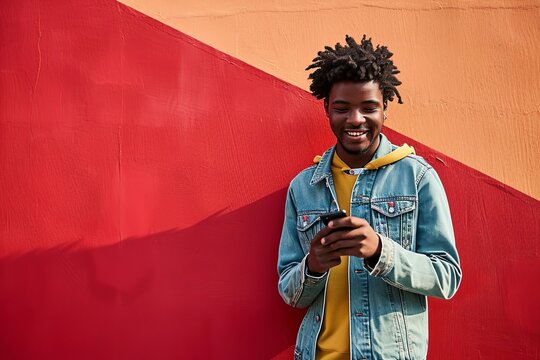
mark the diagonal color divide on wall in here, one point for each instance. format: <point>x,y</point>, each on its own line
<point>143,176</point>
<point>470,69</point>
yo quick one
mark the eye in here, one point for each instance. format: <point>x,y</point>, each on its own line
<point>341,111</point>
<point>371,109</point>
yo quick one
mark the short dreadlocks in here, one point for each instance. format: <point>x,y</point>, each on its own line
<point>354,62</point>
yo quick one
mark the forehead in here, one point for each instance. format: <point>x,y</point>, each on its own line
<point>355,91</point>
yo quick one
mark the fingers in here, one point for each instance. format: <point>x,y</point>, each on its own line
<point>321,259</point>
<point>346,228</point>
<point>349,236</point>
<point>347,222</point>
<point>352,237</point>
<point>351,248</point>
<point>324,232</point>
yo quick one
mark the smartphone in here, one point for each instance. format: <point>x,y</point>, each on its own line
<point>329,216</point>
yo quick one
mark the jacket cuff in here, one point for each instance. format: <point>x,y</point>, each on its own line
<point>308,278</point>
<point>386,258</point>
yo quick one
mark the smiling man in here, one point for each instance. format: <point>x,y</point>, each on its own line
<point>364,277</point>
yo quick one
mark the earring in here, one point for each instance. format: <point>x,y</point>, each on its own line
<point>384,115</point>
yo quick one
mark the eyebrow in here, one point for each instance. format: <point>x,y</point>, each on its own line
<point>340,102</point>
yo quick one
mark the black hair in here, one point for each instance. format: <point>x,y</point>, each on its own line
<point>354,62</point>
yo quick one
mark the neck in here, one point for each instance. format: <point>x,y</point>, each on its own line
<point>357,159</point>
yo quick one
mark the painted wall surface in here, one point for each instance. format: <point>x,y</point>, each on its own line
<point>142,180</point>
<point>470,69</point>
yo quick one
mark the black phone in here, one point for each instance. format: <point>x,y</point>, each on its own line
<point>329,216</point>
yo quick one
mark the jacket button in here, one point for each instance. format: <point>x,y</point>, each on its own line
<point>359,314</point>
<point>317,318</point>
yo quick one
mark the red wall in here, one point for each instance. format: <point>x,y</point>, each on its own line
<point>142,179</point>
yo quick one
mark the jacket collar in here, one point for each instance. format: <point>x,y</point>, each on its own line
<point>324,168</point>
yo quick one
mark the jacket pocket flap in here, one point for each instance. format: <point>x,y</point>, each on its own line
<point>393,208</point>
<point>305,221</point>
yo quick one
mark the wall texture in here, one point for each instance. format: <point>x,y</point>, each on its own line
<point>142,179</point>
<point>470,69</point>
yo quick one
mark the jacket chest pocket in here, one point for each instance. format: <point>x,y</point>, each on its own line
<point>394,218</point>
<point>308,224</point>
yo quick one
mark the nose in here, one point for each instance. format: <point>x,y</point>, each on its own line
<point>356,118</point>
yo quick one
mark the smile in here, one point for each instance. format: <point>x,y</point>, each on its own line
<point>356,133</point>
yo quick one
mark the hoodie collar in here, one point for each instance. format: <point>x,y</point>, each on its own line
<point>324,168</point>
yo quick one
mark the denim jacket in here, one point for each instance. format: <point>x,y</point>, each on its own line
<point>406,205</point>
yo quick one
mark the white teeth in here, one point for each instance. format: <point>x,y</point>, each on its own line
<point>355,133</point>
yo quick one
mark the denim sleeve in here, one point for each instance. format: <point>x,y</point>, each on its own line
<point>433,269</point>
<point>295,286</point>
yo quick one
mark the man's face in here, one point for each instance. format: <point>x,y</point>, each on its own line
<point>356,114</point>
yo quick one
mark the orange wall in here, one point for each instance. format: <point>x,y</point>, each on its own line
<point>470,69</point>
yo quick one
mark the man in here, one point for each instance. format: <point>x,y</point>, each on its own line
<point>364,277</point>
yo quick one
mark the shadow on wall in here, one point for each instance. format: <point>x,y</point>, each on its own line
<point>210,291</point>
<point>207,291</point>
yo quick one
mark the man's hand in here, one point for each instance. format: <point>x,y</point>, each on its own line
<point>350,236</point>
<point>321,258</point>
